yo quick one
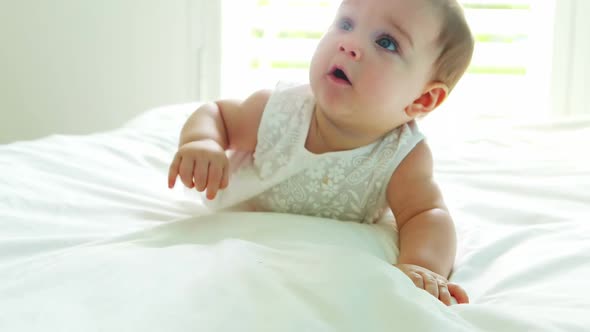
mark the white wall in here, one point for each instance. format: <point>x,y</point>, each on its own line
<point>80,66</point>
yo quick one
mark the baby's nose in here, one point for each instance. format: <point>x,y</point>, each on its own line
<point>350,50</point>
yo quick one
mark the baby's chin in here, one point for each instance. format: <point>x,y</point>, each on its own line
<point>331,97</point>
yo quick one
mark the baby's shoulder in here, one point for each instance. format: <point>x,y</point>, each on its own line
<point>417,164</point>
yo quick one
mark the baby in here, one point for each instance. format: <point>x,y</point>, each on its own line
<point>346,146</point>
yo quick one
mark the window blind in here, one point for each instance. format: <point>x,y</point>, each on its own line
<point>509,56</point>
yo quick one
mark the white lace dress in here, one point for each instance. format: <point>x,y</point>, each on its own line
<point>283,176</point>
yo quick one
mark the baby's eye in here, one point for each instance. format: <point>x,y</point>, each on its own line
<point>345,24</point>
<point>388,43</point>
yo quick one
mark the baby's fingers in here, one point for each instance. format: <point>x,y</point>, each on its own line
<point>416,278</point>
<point>214,180</point>
<point>173,171</point>
<point>200,174</point>
<point>182,167</point>
<point>443,294</point>
<point>458,293</point>
<point>225,178</point>
<point>186,171</point>
<point>430,284</point>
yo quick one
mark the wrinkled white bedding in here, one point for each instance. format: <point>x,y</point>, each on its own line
<point>91,239</point>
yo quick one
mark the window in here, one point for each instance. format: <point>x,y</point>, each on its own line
<point>265,41</point>
<point>571,69</point>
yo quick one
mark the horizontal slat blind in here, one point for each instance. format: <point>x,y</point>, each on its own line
<point>282,35</point>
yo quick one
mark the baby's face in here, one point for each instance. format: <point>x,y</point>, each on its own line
<point>374,61</point>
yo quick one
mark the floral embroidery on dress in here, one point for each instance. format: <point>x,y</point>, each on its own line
<point>345,185</point>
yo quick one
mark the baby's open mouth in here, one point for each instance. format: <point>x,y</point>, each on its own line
<point>339,74</point>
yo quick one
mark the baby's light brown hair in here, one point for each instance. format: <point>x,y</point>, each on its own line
<point>457,44</point>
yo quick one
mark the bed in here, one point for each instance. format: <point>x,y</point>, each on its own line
<point>91,239</point>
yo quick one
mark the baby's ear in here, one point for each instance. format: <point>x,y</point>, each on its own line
<point>434,94</point>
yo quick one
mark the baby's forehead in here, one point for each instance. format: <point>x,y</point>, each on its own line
<point>421,19</point>
<point>399,4</point>
<point>400,9</point>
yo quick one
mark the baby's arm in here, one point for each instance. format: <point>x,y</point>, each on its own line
<point>427,237</point>
<point>213,128</point>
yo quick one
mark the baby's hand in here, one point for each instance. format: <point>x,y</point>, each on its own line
<point>201,164</point>
<point>434,284</point>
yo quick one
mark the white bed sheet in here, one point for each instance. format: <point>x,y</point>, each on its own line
<point>91,239</point>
